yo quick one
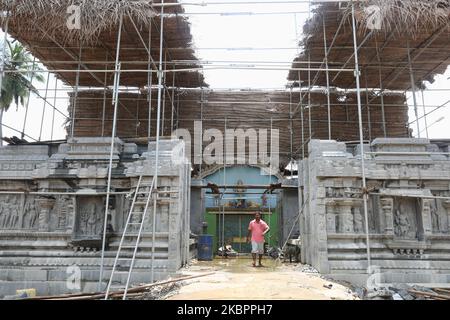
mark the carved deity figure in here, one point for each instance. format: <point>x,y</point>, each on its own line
<point>438,220</point>
<point>2,215</point>
<point>6,213</point>
<point>358,220</point>
<point>84,217</point>
<point>30,216</point>
<point>14,214</point>
<point>135,219</point>
<point>63,211</point>
<point>402,224</point>
<point>92,220</point>
<point>330,193</point>
<point>125,212</point>
<point>348,223</point>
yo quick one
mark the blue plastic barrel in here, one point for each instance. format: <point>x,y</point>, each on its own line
<point>205,247</point>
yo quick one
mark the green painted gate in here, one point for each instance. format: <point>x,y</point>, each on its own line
<point>236,226</point>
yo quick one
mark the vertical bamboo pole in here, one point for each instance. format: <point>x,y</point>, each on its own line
<point>301,115</point>
<point>413,89</point>
<point>75,99</point>
<point>54,109</point>
<point>383,112</point>
<point>28,99</point>
<point>105,89</point>
<point>149,82</point>
<point>113,137</point>
<point>361,138</point>
<point>328,78</point>
<point>2,68</point>
<point>158,124</point>
<point>45,105</point>
<point>425,114</point>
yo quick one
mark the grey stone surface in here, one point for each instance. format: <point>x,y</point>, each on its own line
<point>408,211</point>
<point>58,223</point>
<point>289,209</point>
<point>197,209</point>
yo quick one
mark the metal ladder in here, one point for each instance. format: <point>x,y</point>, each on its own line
<point>128,232</point>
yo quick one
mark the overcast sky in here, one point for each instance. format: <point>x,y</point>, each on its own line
<point>243,33</point>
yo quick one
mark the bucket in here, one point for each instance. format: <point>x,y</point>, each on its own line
<point>205,247</point>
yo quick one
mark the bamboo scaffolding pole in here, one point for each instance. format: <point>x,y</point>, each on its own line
<point>113,137</point>
<point>361,138</point>
<point>327,74</point>
<point>28,98</point>
<point>413,90</point>
<point>54,111</point>
<point>44,107</point>
<point>158,119</point>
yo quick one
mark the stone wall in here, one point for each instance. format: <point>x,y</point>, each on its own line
<point>52,209</point>
<point>288,206</point>
<point>408,210</point>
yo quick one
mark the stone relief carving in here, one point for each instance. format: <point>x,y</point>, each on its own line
<point>358,220</point>
<point>31,214</point>
<point>331,218</point>
<point>10,212</point>
<point>387,207</point>
<point>344,216</point>
<point>89,220</point>
<point>446,205</point>
<point>343,192</point>
<point>439,216</point>
<point>406,218</point>
<point>402,224</point>
<point>122,206</point>
<point>426,218</point>
<point>90,215</point>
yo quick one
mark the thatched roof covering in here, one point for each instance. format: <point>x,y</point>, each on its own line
<point>421,24</point>
<point>245,110</point>
<point>41,26</point>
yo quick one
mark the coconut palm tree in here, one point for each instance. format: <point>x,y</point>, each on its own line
<point>16,86</point>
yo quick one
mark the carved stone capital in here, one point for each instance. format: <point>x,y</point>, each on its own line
<point>45,205</point>
<point>345,217</point>
<point>426,216</point>
<point>446,205</point>
<point>387,206</point>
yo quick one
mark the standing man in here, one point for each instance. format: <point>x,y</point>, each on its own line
<point>257,229</point>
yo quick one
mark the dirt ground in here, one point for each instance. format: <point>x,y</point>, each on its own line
<point>236,279</point>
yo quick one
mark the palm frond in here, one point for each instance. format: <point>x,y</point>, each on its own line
<point>409,17</point>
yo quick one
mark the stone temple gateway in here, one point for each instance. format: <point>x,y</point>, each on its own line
<point>408,183</point>
<point>363,198</point>
<point>46,227</point>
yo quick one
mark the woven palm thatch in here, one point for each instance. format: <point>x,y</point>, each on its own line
<point>409,30</point>
<point>96,15</point>
<point>403,16</point>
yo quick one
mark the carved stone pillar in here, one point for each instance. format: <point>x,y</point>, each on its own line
<point>46,205</point>
<point>345,217</point>
<point>387,206</point>
<point>426,217</point>
<point>446,205</point>
<point>331,217</point>
<point>70,224</point>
